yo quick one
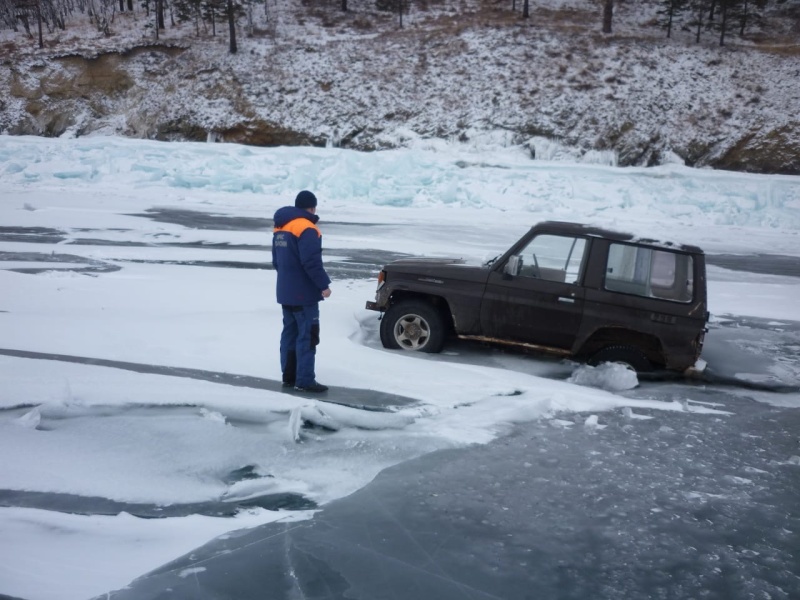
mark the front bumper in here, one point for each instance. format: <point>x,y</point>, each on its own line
<point>382,298</point>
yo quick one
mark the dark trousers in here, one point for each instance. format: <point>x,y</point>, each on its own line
<point>299,340</point>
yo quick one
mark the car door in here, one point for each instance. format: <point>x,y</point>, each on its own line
<point>536,296</point>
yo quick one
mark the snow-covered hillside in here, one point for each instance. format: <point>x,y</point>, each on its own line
<point>456,70</point>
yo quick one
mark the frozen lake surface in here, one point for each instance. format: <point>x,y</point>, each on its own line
<point>150,451</point>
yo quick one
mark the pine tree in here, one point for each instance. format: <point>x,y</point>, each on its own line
<point>748,13</point>
<point>697,9</point>
<point>724,9</point>
<point>670,11</point>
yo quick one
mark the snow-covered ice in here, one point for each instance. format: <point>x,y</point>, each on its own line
<point>96,431</point>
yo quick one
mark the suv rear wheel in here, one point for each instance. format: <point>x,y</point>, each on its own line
<point>413,325</point>
<point>626,355</point>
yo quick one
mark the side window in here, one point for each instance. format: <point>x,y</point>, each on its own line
<point>553,258</point>
<point>651,273</point>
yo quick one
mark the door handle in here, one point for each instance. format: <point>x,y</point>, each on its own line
<point>567,300</point>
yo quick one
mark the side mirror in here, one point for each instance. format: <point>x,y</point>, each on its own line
<point>513,266</point>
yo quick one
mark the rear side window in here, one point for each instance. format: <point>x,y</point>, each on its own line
<point>650,273</point>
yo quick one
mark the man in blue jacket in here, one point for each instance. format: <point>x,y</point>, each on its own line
<point>302,284</point>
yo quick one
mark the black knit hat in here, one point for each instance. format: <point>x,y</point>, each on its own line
<point>305,199</point>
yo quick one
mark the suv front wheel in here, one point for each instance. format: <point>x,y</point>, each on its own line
<point>413,325</point>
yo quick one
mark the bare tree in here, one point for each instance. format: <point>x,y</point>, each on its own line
<point>723,24</point>
<point>39,23</point>
<point>232,29</point>
<point>102,13</point>
<point>608,15</point>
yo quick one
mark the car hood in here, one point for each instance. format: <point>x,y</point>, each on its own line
<point>427,262</point>
<point>440,268</point>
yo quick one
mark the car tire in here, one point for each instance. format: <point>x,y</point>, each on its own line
<point>627,355</point>
<point>413,325</point>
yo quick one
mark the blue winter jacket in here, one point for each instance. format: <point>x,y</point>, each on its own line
<point>297,257</point>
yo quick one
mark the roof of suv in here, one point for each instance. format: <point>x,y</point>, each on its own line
<point>589,230</point>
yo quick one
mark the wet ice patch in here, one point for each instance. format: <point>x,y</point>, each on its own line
<point>613,377</point>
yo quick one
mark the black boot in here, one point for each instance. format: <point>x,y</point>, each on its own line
<point>314,388</point>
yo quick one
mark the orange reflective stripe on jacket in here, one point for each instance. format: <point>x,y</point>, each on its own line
<point>297,226</point>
